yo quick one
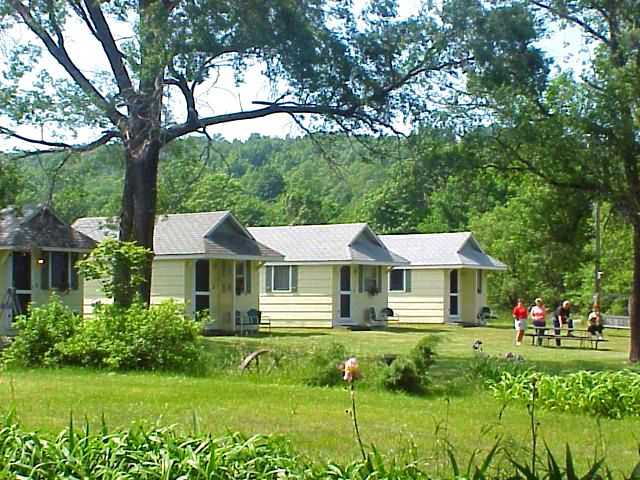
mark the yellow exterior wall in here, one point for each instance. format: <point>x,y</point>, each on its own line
<point>168,281</point>
<point>467,295</point>
<point>425,303</point>
<point>362,301</point>
<point>311,306</point>
<point>247,301</point>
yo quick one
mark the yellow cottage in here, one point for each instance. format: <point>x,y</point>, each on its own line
<point>333,275</point>
<point>445,281</point>
<point>38,252</point>
<point>208,261</point>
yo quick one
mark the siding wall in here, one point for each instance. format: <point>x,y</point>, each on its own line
<point>168,281</point>
<point>311,306</point>
<point>247,301</point>
<point>362,301</point>
<point>426,303</point>
<point>468,294</point>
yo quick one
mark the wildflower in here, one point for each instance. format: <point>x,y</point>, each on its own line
<point>351,370</point>
<point>520,358</point>
<point>509,356</point>
<point>477,345</point>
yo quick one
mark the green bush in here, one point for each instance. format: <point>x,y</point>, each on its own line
<point>160,337</point>
<point>321,367</point>
<point>42,330</point>
<point>410,373</point>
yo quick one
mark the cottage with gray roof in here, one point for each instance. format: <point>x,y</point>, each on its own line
<point>208,261</point>
<point>38,252</point>
<point>445,281</point>
<point>332,275</point>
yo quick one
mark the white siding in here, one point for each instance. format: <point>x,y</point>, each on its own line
<point>312,304</point>
<point>426,301</point>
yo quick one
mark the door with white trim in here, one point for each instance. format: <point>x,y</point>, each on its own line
<point>345,293</point>
<point>201,288</point>
<point>21,280</point>
<point>454,295</point>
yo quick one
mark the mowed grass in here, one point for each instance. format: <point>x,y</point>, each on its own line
<point>315,419</point>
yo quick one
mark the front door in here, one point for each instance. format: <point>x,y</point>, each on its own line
<point>454,296</point>
<point>202,292</point>
<point>21,281</point>
<point>345,292</point>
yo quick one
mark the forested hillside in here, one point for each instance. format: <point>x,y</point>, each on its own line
<point>428,182</point>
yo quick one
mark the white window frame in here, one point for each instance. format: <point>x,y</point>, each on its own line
<point>373,268</point>
<point>404,280</point>
<point>273,275</point>
<point>201,293</point>
<point>455,294</point>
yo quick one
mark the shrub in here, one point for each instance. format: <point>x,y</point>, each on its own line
<point>485,368</point>
<point>409,373</point>
<point>159,337</point>
<point>42,330</point>
<point>321,368</point>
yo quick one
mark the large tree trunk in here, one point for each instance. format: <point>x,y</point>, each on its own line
<point>634,313</point>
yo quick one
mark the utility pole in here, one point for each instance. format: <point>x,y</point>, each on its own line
<point>597,295</point>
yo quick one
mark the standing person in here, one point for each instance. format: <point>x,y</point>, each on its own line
<point>520,320</point>
<point>596,325</point>
<point>560,317</point>
<point>538,315</point>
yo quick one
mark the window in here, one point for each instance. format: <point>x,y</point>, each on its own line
<point>281,278</point>
<point>240,278</point>
<point>397,280</point>
<point>202,296</point>
<point>59,271</point>
<point>479,281</point>
<point>453,293</point>
<point>370,279</point>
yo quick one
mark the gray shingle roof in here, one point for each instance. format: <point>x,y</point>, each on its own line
<point>38,226</point>
<point>345,243</point>
<point>442,249</point>
<point>212,234</point>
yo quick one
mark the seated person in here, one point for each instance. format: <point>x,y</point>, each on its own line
<point>596,324</point>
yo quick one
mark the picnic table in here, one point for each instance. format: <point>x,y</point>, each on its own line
<point>579,335</point>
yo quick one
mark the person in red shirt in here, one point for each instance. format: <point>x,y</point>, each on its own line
<point>520,320</point>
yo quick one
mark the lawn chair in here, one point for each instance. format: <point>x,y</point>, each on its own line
<point>485,315</point>
<point>375,321</point>
<point>257,318</point>
<point>389,314</point>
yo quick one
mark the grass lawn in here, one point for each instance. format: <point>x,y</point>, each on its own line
<point>314,418</point>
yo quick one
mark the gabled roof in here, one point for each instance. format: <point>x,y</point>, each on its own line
<point>442,250</point>
<point>37,226</point>
<point>338,243</point>
<point>208,234</point>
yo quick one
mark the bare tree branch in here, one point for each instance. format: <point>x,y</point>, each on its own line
<point>114,55</point>
<point>62,57</point>
<point>59,146</point>
<point>581,23</point>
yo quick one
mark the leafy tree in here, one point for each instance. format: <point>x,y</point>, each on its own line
<point>333,65</point>
<point>10,181</point>
<point>580,132</point>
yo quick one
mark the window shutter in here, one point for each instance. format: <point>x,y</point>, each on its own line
<point>407,280</point>
<point>247,276</point>
<point>268,279</point>
<point>294,278</point>
<point>360,278</point>
<point>73,282</point>
<point>379,278</point>
<point>44,271</point>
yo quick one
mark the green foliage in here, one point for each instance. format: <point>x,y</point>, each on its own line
<point>321,366</point>
<point>136,338</point>
<point>486,368</point>
<point>42,331</point>
<point>159,337</point>
<point>409,373</point>
<point>107,258</point>
<point>606,394</point>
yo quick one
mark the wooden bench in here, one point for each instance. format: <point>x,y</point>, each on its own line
<point>586,339</point>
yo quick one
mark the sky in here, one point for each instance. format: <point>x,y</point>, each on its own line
<point>84,49</point>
